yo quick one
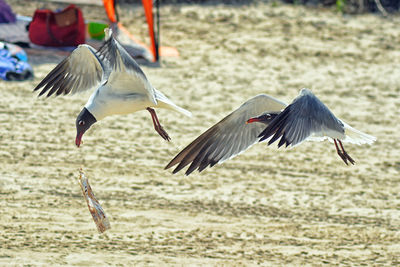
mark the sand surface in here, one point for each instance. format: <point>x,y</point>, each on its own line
<point>265,207</point>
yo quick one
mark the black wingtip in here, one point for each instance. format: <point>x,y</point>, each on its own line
<point>203,167</point>
<point>282,141</point>
<point>187,173</point>
<point>274,138</point>
<point>177,169</point>
<point>41,93</point>
<point>173,163</point>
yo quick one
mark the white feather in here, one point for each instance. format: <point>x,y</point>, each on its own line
<point>165,102</point>
<point>357,137</point>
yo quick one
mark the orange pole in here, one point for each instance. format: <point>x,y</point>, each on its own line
<point>109,7</point>
<point>148,10</point>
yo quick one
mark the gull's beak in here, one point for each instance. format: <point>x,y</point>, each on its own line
<point>256,119</point>
<point>78,139</point>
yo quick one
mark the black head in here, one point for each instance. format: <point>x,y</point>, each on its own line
<point>84,120</point>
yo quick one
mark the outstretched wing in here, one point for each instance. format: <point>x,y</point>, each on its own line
<point>85,68</point>
<point>126,77</point>
<point>80,71</point>
<point>305,116</point>
<point>227,138</point>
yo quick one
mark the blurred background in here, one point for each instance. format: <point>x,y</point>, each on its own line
<point>267,206</point>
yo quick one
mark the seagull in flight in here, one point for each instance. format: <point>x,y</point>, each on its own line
<point>121,87</point>
<point>266,118</point>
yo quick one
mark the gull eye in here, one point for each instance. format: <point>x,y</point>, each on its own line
<point>81,123</point>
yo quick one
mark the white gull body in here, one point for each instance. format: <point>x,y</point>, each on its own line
<point>120,85</point>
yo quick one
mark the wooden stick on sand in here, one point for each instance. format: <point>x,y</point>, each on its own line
<point>99,217</point>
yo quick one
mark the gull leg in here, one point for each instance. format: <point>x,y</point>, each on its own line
<point>340,153</point>
<point>157,126</point>
<point>345,153</point>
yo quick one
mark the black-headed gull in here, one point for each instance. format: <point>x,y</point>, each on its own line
<point>121,86</point>
<point>306,118</point>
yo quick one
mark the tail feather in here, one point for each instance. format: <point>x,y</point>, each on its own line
<point>357,137</point>
<point>164,102</point>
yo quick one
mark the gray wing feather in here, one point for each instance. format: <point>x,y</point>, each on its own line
<point>125,76</point>
<point>115,55</point>
<point>86,68</point>
<point>80,71</point>
<point>305,116</point>
<point>227,138</point>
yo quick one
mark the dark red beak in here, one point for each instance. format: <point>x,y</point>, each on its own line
<point>78,139</point>
<point>255,119</point>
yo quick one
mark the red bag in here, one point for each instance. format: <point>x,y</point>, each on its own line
<point>64,28</point>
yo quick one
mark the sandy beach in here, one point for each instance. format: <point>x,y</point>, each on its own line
<point>268,206</point>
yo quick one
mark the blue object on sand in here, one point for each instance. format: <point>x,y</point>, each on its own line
<point>13,63</point>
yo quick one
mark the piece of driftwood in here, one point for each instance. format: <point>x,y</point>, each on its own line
<point>99,217</point>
